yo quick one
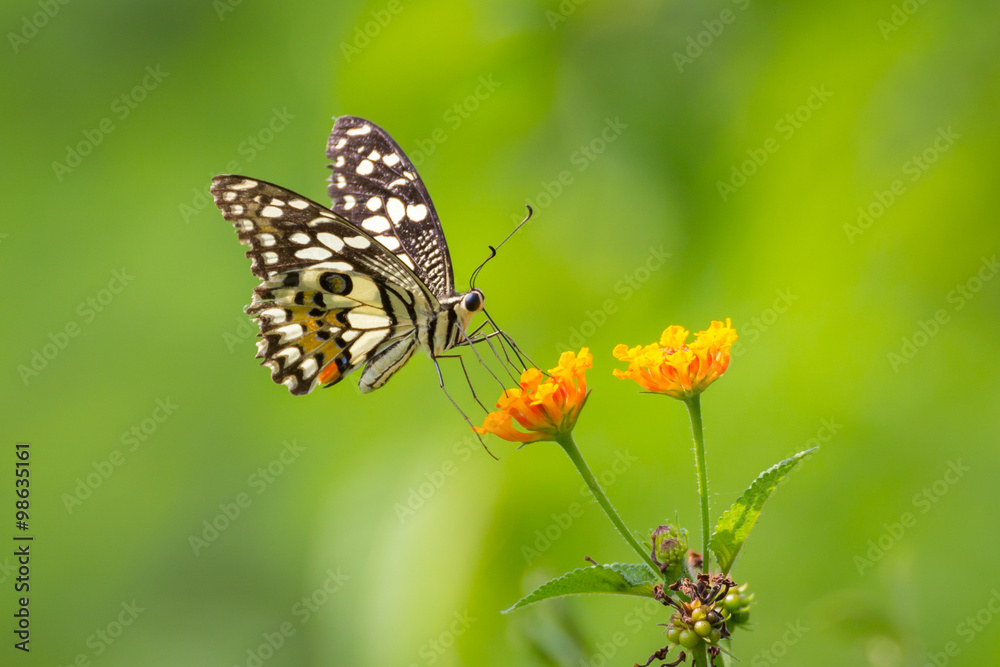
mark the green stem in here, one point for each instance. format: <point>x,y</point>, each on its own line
<point>694,408</point>
<point>569,446</point>
<point>699,655</point>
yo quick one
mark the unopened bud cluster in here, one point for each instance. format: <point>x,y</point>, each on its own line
<point>737,604</point>
<point>697,622</point>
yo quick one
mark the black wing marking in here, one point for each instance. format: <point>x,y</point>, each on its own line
<point>376,187</point>
<point>331,298</point>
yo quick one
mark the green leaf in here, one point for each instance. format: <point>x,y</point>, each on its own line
<point>621,578</point>
<point>735,525</point>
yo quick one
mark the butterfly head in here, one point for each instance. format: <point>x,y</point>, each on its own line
<point>473,300</point>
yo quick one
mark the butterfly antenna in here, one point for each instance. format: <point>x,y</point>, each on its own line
<point>493,251</point>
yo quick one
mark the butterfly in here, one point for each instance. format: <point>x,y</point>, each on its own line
<point>366,282</point>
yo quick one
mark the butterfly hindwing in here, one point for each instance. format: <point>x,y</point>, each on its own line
<point>376,187</point>
<point>331,298</point>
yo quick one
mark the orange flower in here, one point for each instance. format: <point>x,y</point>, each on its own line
<point>675,367</point>
<point>545,407</point>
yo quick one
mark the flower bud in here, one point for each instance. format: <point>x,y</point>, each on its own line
<point>670,548</point>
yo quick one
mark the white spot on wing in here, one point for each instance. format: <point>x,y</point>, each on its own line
<point>351,335</point>
<point>359,242</point>
<point>276,315</point>
<point>376,224</point>
<point>349,202</point>
<point>365,291</point>
<point>270,258</point>
<point>289,332</point>
<point>364,129</point>
<point>366,342</point>
<point>336,266</point>
<point>331,241</point>
<point>340,161</point>
<point>341,181</point>
<point>390,242</point>
<point>315,253</point>
<point>396,209</point>
<point>365,167</point>
<point>374,204</point>
<point>406,260</point>
<point>309,367</point>
<point>341,143</point>
<point>391,159</point>
<point>271,212</point>
<point>300,238</point>
<point>228,195</point>
<point>366,320</point>
<point>299,204</point>
<point>266,239</point>
<point>417,212</point>
<point>291,355</point>
<point>245,184</point>
<point>374,155</point>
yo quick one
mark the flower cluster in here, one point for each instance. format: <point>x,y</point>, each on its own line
<point>545,407</point>
<point>675,367</point>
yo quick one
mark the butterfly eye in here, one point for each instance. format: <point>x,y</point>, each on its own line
<point>474,301</point>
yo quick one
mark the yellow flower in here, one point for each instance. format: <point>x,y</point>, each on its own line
<point>544,407</point>
<point>675,367</point>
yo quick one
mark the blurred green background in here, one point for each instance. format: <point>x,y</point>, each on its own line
<point>822,173</point>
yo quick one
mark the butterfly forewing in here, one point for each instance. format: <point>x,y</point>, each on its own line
<point>376,187</point>
<point>331,298</point>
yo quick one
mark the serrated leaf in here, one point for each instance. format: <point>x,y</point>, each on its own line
<point>621,578</point>
<point>735,525</point>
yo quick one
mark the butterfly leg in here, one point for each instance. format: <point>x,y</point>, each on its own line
<point>437,367</point>
<point>510,341</point>
<point>467,378</point>
<point>509,364</point>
